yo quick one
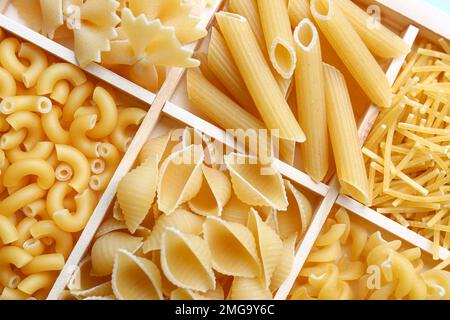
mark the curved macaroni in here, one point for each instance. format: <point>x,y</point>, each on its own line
<point>26,103</point>
<point>29,121</point>
<point>108,114</point>
<point>60,92</point>
<point>51,123</point>
<point>76,99</point>
<point>8,231</point>
<point>57,72</point>
<point>79,129</point>
<point>38,63</point>
<point>79,164</point>
<point>21,198</point>
<point>42,150</point>
<point>111,157</point>
<point>8,85</point>
<point>48,229</point>
<point>9,47</point>
<point>22,168</point>
<point>128,117</point>
<point>15,256</point>
<point>44,262</point>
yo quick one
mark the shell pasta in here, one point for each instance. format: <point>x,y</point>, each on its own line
<point>184,229</point>
<point>56,160</point>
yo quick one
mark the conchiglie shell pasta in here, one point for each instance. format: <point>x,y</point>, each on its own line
<point>105,247</point>
<point>249,289</point>
<point>180,178</point>
<point>110,225</point>
<point>135,278</point>
<point>255,184</point>
<point>82,279</point>
<point>186,261</point>
<point>236,211</point>
<point>186,294</point>
<point>180,219</point>
<point>103,289</point>
<point>268,243</point>
<point>233,248</point>
<point>136,192</point>
<point>298,215</point>
<point>157,147</point>
<point>213,195</point>
<point>285,263</point>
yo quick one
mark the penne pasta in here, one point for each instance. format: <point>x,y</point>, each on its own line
<point>311,100</point>
<point>352,51</point>
<point>278,36</point>
<point>379,40</point>
<point>350,166</point>
<point>262,85</point>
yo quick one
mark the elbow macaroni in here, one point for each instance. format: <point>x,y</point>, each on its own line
<point>55,160</point>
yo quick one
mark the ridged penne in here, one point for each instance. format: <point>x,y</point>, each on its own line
<point>379,39</point>
<point>311,107</point>
<point>344,137</point>
<point>352,51</point>
<point>278,35</point>
<point>251,63</point>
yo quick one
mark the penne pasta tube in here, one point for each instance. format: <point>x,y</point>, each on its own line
<point>352,51</point>
<point>249,10</point>
<point>220,62</point>
<point>311,100</point>
<point>379,40</point>
<point>278,35</point>
<point>349,160</point>
<point>298,10</point>
<point>222,110</point>
<point>263,87</point>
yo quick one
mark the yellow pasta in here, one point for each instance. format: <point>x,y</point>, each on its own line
<point>25,103</point>
<point>344,137</point>
<point>21,198</point>
<point>8,231</point>
<point>76,98</point>
<point>111,157</point>
<point>37,281</point>
<point>180,219</point>
<point>44,262</point>
<point>249,289</point>
<point>187,261</point>
<point>268,243</point>
<point>180,179</point>
<point>8,59</point>
<point>48,229</point>
<point>278,36</point>
<point>135,278</point>
<point>254,183</point>
<point>352,51</point>
<point>233,248</point>
<point>136,192</point>
<point>8,87</point>
<point>38,63</point>
<point>57,72</point>
<point>79,164</point>
<point>214,194</point>
<point>105,248</point>
<point>379,39</point>
<point>311,107</point>
<point>251,63</point>
<point>108,114</point>
<point>52,127</point>
<point>22,168</point>
<point>78,136</point>
<point>127,117</point>
<point>298,10</point>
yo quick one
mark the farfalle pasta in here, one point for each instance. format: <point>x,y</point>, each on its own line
<point>56,161</point>
<point>138,39</point>
<point>195,240</point>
